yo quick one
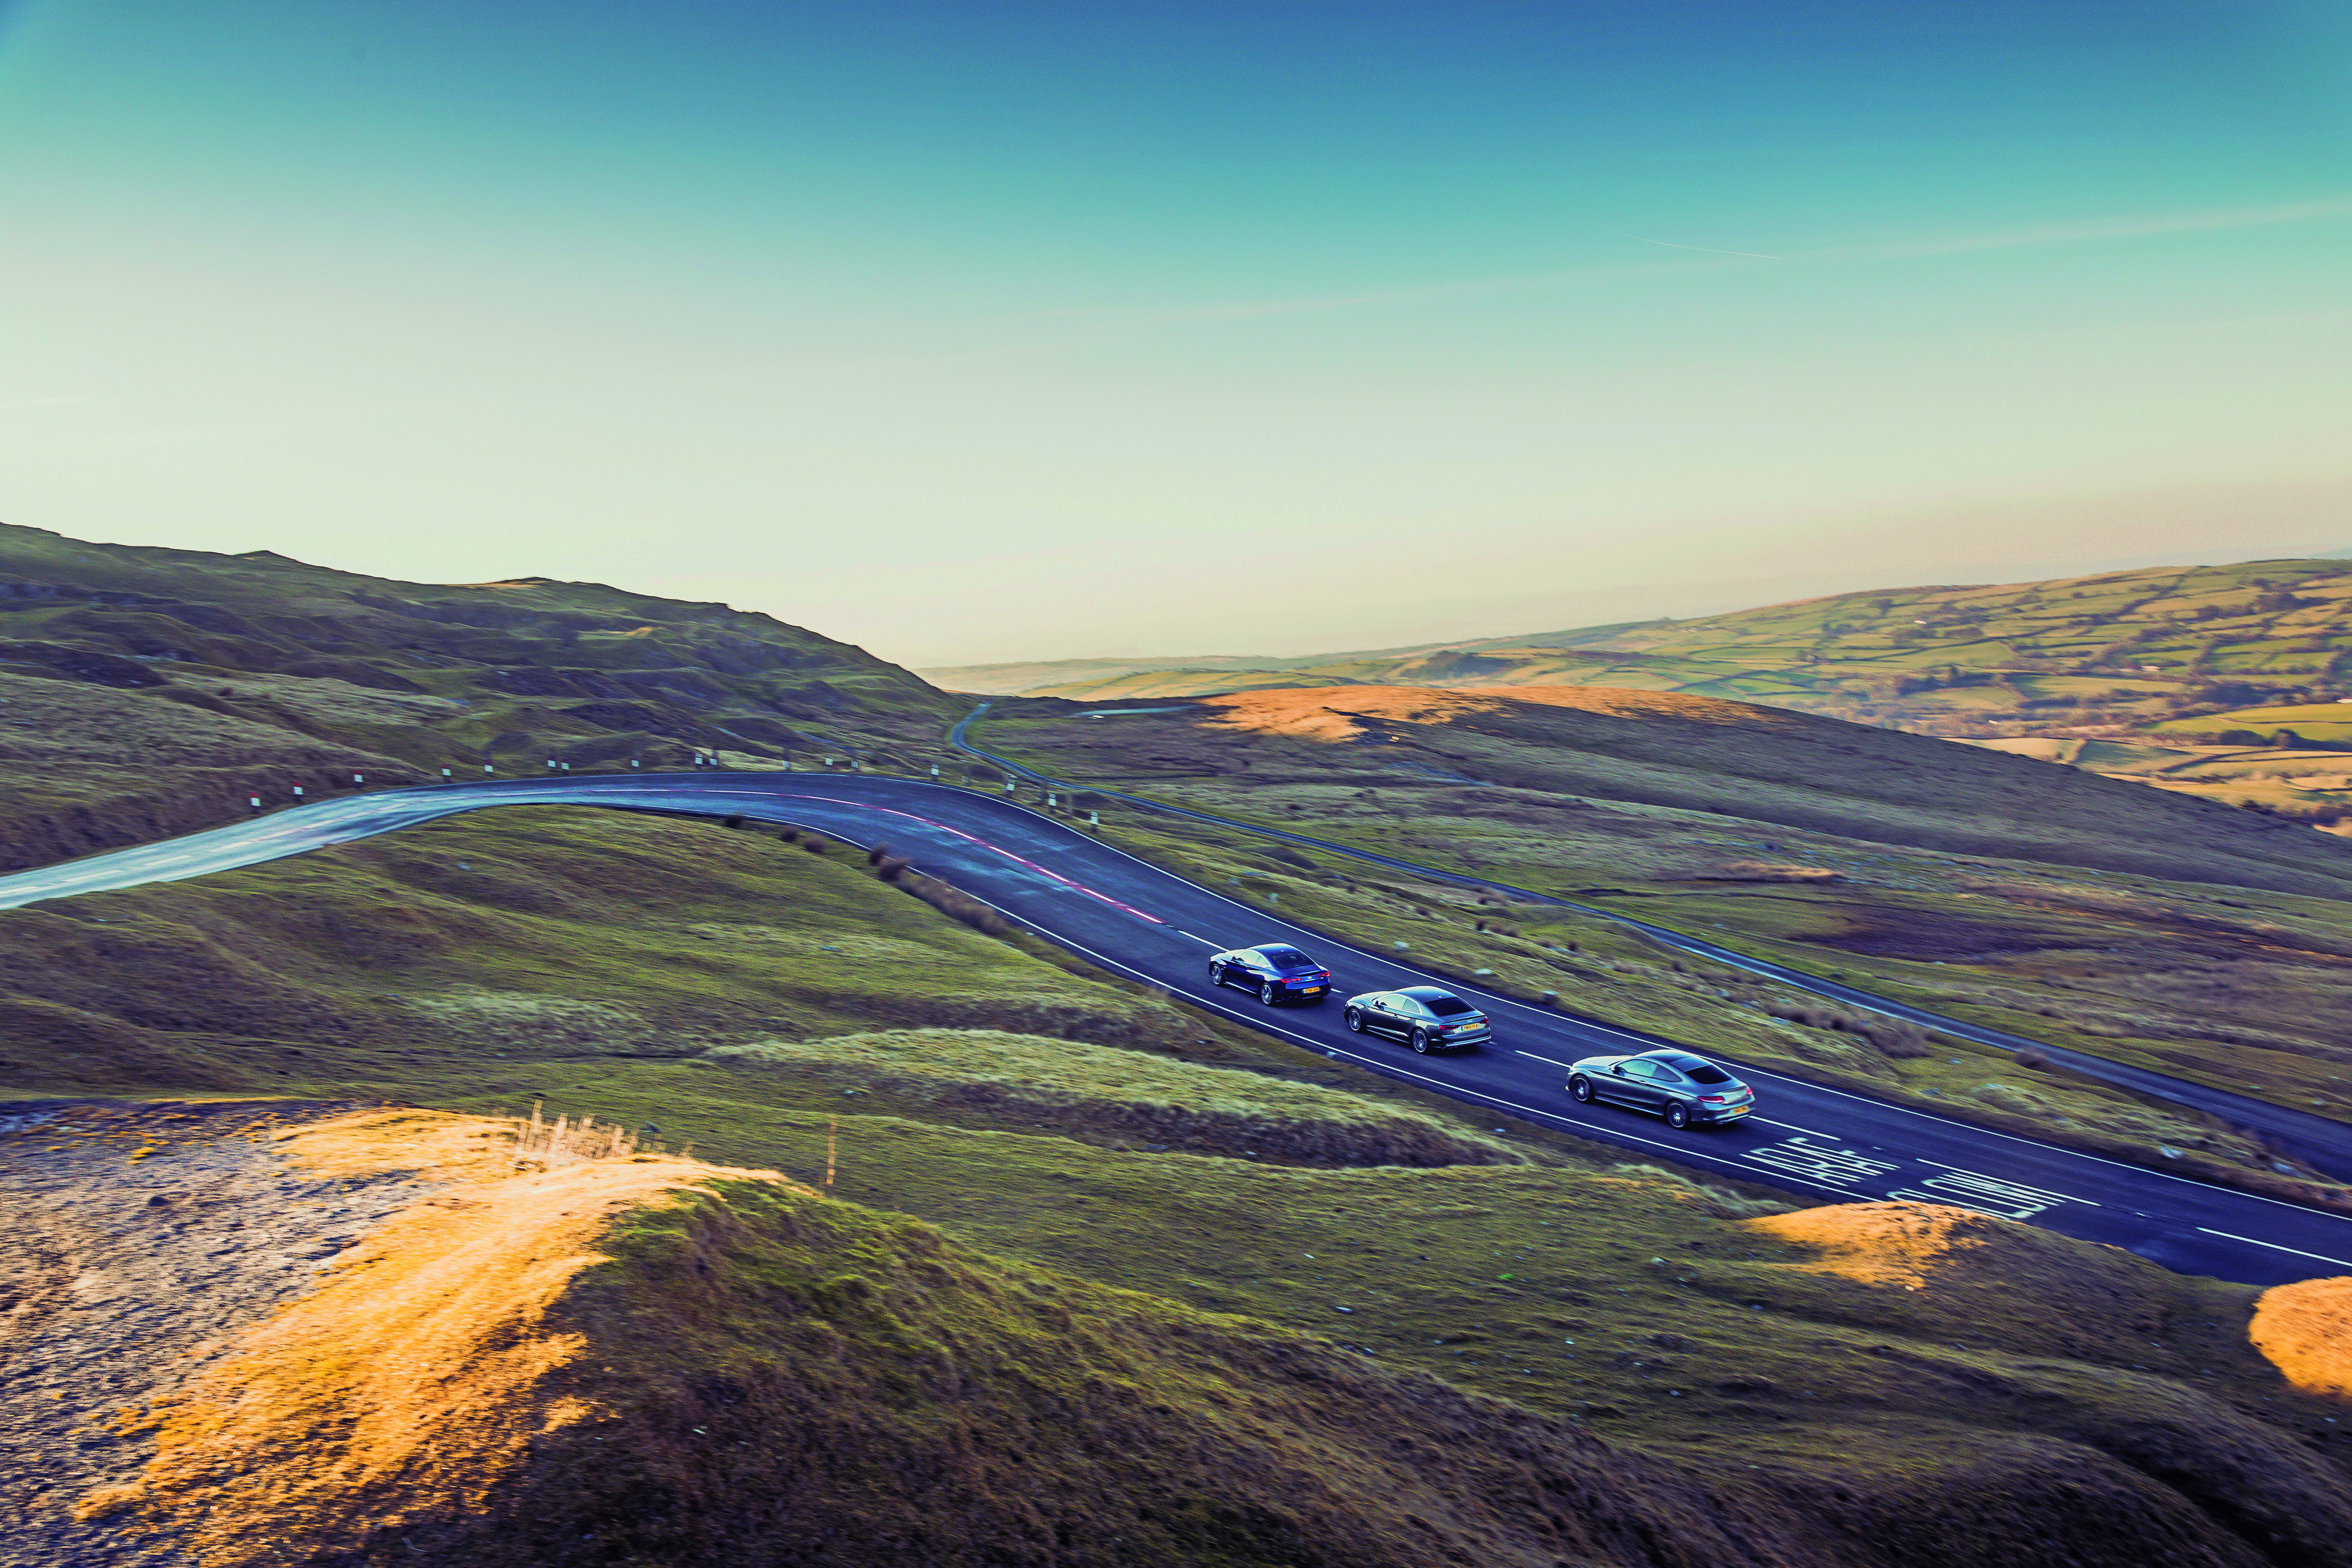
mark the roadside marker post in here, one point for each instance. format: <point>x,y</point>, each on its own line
<point>254,801</point>
<point>359,781</point>
<point>488,768</point>
<point>551,765</point>
<point>447,777</point>
<point>1094,819</point>
<point>632,763</point>
<point>567,767</point>
<point>1008,786</point>
<point>297,794</point>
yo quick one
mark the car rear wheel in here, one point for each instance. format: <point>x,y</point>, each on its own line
<point>1420,1041</point>
<point>1581,1089</point>
<point>1265,992</point>
<point>1678,1116</point>
<point>1355,1021</point>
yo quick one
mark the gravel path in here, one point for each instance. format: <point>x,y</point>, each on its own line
<point>135,1240</point>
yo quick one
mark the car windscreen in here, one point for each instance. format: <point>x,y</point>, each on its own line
<point>1447,1006</point>
<point>1287,957</point>
<point>1705,1072</point>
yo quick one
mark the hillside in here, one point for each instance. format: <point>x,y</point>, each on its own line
<point>2120,650</point>
<point>145,690</point>
<point>2204,663</point>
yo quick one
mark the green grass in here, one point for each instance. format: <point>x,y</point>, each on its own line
<point>1011,1270</point>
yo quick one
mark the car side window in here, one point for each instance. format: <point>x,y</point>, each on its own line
<point>1640,1070</point>
<point>1665,1074</point>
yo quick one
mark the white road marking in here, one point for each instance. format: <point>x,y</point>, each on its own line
<point>2046,1193</point>
<point>1840,1166</point>
<point>2274,1247</point>
<point>1203,940</point>
<point>1792,1127</point>
<point>1533,1057</point>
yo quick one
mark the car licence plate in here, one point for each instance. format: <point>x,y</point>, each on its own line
<point>1739,1110</point>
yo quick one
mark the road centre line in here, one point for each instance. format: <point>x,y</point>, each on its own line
<point>2273,1246</point>
<point>1532,1056</point>
<point>1794,1128</point>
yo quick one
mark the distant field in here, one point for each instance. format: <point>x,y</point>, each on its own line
<point>2326,721</point>
<point>2110,654</point>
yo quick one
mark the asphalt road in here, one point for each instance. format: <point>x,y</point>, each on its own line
<point>2322,1142</point>
<point>1136,920</point>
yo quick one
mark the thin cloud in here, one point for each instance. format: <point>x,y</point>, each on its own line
<point>2091,231</point>
<point>2141,226</point>
<point>1711,250</point>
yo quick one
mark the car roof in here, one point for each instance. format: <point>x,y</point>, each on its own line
<point>1424,992</point>
<point>1674,1058</point>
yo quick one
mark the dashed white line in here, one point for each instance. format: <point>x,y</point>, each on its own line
<point>2274,1247</point>
<point>1791,1127</point>
<point>1532,1056</point>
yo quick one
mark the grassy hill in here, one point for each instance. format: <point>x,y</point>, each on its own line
<point>146,690</point>
<point>2205,661</point>
<point>935,1292</point>
<point>2120,650</point>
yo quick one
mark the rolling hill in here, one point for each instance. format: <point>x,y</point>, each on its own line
<point>2114,652</point>
<point>147,690</point>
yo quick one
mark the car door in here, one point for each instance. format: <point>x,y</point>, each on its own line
<point>1388,1017</point>
<point>1411,1016</point>
<point>1670,1086</point>
<point>1632,1085</point>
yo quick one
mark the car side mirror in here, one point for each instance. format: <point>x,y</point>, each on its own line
<point>1618,1069</point>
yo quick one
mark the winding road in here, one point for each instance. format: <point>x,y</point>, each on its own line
<point>2320,1141</point>
<point>1136,920</point>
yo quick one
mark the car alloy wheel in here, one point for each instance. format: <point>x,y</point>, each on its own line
<point>1355,1021</point>
<point>1580,1086</point>
<point>1678,1116</point>
<point>1420,1041</point>
<point>1265,992</point>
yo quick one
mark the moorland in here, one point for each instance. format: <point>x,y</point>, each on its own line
<point>2227,681</point>
<point>893,1235</point>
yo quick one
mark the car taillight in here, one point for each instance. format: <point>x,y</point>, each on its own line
<point>1715,1099</point>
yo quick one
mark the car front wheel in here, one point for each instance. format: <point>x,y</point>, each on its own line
<point>1355,1021</point>
<point>1678,1116</point>
<point>1581,1087</point>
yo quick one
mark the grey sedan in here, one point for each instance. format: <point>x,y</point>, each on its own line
<point>1423,1016</point>
<point>1674,1084</point>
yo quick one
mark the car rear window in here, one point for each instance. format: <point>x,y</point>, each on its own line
<point>1706,1072</point>
<point>1447,1006</point>
<point>1289,957</point>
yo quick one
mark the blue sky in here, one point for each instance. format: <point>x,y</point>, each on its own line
<point>986,331</point>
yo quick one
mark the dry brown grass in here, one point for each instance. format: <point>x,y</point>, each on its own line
<point>2305,1331</point>
<point>406,1382</point>
<point>1341,713</point>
